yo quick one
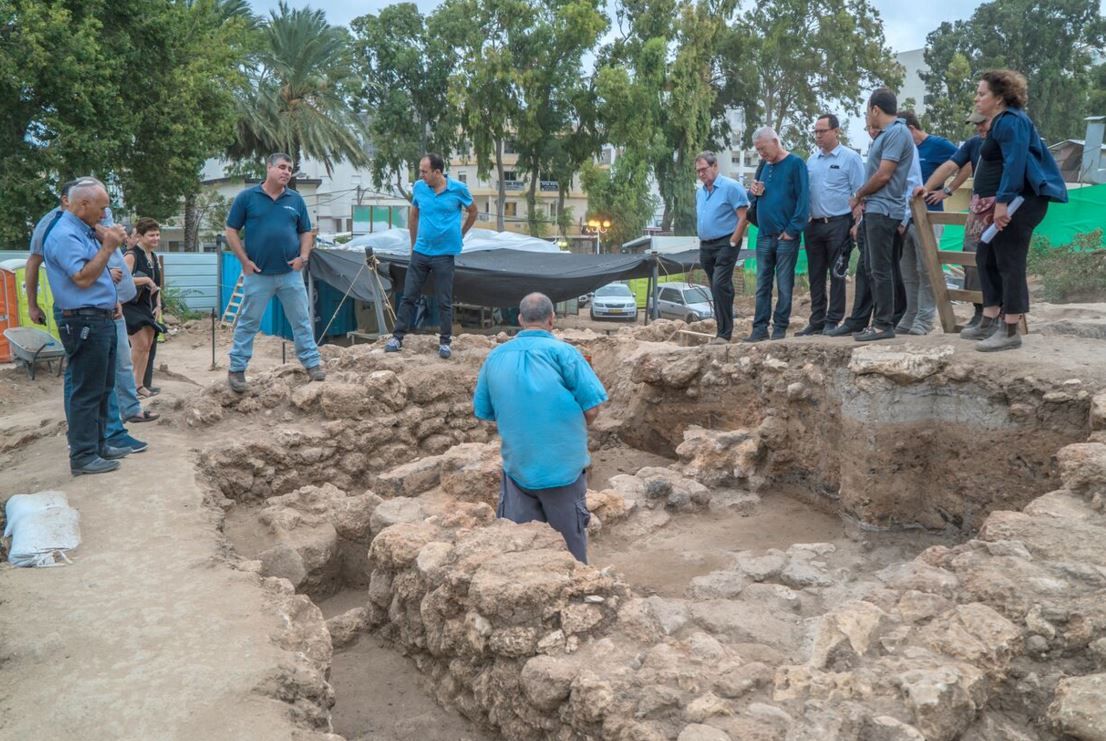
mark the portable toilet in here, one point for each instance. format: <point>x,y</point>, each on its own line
<point>9,305</point>
<point>45,301</point>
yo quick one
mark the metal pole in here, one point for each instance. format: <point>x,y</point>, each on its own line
<point>653,275</point>
<point>213,364</point>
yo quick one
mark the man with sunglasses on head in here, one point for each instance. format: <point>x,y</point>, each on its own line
<point>720,208</point>
<point>835,173</point>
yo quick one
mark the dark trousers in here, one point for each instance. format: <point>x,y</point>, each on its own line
<point>90,347</point>
<point>862,297</point>
<point>419,270</point>
<point>1002,262</point>
<point>880,233</point>
<point>825,243</point>
<point>718,259</point>
<point>775,259</point>
<point>563,507</point>
<point>148,377</point>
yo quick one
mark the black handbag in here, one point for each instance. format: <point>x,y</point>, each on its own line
<point>751,212</point>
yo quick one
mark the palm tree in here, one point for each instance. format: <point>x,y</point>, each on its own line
<point>295,100</point>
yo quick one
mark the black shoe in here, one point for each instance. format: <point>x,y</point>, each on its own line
<point>96,465</point>
<point>114,452</point>
<point>872,334</point>
<point>828,327</point>
<point>755,337</point>
<point>779,334</point>
<point>809,330</point>
<point>237,381</point>
<point>839,331</point>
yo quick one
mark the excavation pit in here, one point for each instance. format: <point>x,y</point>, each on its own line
<point>790,540</point>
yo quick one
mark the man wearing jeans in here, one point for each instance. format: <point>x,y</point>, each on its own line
<point>883,197</point>
<point>87,303</point>
<point>720,219</point>
<point>782,212</point>
<point>278,243</point>
<point>436,236</point>
<point>542,394</point>
<point>123,403</point>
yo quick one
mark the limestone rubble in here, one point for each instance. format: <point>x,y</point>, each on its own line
<point>1002,636</point>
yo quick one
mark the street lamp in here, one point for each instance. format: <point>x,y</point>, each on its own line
<point>598,225</point>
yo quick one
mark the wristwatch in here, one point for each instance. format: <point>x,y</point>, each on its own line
<point>946,191</point>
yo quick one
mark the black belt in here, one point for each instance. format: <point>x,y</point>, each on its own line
<point>828,219</point>
<point>88,311</point>
<point>724,237</point>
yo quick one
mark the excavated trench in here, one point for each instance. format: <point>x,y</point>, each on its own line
<point>788,541</point>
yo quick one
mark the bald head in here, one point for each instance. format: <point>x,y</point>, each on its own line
<point>535,311</point>
<point>87,200</point>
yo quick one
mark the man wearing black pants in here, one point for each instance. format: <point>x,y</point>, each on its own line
<point>87,303</point>
<point>884,201</point>
<point>720,207</point>
<point>436,234</point>
<point>835,173</point>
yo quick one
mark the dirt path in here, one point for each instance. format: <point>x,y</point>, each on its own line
<point>148,634</point>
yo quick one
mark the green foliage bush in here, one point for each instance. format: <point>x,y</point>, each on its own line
<point>1073,272</point>
<point>173,302</point>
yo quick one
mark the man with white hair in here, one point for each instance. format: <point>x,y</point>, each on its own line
<point>87,304</point>
<point>542,394</point>
<point>783,208</point>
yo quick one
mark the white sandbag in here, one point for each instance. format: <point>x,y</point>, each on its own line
<point>42,527</point>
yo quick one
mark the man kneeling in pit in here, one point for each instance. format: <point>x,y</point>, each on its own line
<point>542,394</point>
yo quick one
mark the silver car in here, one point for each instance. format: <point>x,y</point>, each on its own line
<point>614,301</point>
<point>685,301</point>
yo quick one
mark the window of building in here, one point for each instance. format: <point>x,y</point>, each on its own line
<point>463,177</point>
<point>510,175</point>
<point>510,208</point>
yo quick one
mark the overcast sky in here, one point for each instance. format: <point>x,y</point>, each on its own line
<point>905,23</point>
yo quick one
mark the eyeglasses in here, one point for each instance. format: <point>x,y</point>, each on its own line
<point>821,131</point>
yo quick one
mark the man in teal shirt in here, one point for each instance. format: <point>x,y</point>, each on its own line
<point>436,234</point>
<point>542,394</point>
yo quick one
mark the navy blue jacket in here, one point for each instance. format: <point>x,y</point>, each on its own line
<point>1027,165</point>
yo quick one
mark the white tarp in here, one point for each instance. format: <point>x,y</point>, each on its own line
<point>397,241</point>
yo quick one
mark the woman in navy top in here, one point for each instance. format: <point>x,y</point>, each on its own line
<point>1015,162</point>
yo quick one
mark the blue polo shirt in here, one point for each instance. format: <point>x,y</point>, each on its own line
<point>834,177</point>
<point>933,152</point>
<point>536,389</point>
<point>440,217</point>
<point>716,209</point>
<point>69,246</point>
<point>273,227</point>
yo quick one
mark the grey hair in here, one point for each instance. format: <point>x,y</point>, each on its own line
<point>707,156</point>
<point>765,132</point>
<point>276,157</point>
<point>84,188</point>
<point>535,308</point>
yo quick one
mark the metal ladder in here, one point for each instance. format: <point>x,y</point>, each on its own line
<point>230,314</point>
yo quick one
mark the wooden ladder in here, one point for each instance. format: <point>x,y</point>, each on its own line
<point>934,258</point>
<point>230,314</point>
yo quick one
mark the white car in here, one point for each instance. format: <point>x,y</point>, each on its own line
<point>685,301</point>
<point>614,301</point>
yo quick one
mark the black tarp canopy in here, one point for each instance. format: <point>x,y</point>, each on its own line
<point>499,277</point>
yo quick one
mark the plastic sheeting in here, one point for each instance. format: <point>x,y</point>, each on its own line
<point>398,241</point>
<point>499,277</point>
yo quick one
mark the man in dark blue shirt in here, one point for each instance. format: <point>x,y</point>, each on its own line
<point>278,244</point>
<point>933,151</point>
<point>436,238</point>
<point>783,209</point>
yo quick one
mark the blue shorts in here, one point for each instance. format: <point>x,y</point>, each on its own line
<point>563,507</point>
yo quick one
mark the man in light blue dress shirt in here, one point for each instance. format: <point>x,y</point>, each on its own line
<point>835,172</point>
<point>720,207</point>
<point>77,251</point>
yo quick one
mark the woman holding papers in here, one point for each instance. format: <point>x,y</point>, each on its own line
<point>1022,178</point>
